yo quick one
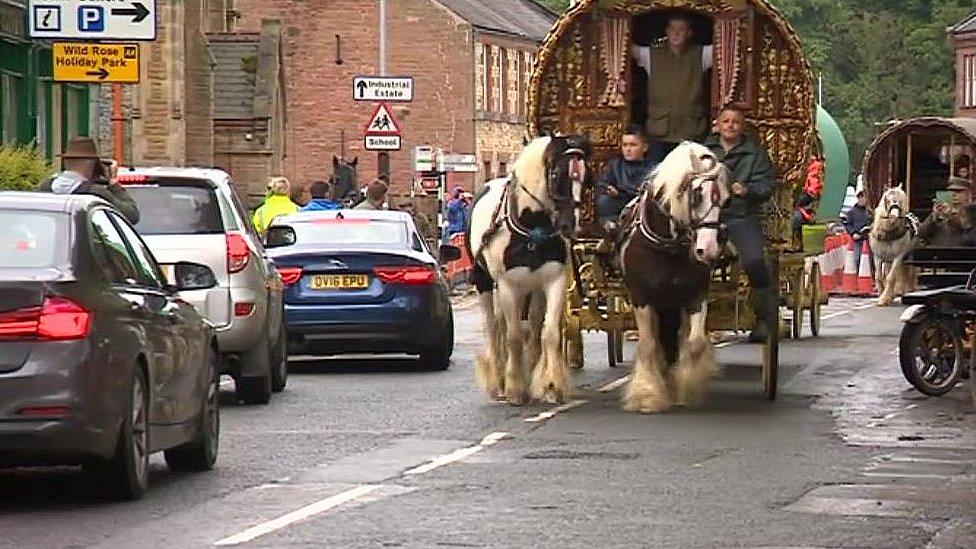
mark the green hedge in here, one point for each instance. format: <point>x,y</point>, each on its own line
<point>22,168</point>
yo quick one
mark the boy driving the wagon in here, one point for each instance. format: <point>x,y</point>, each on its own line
<point>621,179</point>
<point>753,185</point>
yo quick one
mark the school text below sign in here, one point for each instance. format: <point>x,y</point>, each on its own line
<point>92,19</point>
<point>382,142</point>
<point>82,62</point>
<point>382,88</point>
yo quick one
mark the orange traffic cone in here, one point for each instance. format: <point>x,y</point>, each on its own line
<point>849,285</point>
<point>865,282</point>
<point>827,264</point>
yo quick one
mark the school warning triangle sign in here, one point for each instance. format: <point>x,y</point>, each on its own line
<point>382,122</point>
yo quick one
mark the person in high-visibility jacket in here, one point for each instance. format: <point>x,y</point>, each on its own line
<point>278,203</point>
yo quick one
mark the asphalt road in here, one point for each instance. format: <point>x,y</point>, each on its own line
<point>367,453</point>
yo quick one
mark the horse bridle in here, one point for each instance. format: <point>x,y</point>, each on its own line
<point>694,196</point>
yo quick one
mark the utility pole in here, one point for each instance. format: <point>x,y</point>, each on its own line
<point>382,37</point>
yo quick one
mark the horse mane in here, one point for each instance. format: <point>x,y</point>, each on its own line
<point>530,166</point>
<point>668,180</point>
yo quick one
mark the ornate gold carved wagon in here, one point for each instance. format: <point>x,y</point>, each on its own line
<point>585,82</point>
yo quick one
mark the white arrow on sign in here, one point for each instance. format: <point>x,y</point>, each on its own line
<point>382,88</point>
<point>87,20</point>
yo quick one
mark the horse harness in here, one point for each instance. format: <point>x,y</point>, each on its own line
<point>536,236</point>
<point>907,223</point>
<point>679,237</point>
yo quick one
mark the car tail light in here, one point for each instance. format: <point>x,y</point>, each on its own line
<point>43,411</point>
<point>243,309</point>
<point>125,179</point>
<point>409,274</point>
<point>290,275</point>
<point>57,319</point>
<point>238,253</point>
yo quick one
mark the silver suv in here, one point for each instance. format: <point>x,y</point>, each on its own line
<point>194,214</point>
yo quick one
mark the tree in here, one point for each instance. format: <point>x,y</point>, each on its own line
<point>558,6</point>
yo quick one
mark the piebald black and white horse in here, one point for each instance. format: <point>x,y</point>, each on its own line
<point>518,231</point>
<point>666,256</point>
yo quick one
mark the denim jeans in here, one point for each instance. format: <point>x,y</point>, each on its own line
<point>746,234</point>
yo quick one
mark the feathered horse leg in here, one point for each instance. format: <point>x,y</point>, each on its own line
<point>551,382</point>
<point>511,301</point>
<point>647,391</point>
<point>696,361</point>
<point>487,371</point>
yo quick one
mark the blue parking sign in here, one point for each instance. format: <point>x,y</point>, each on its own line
<point>91,19</point>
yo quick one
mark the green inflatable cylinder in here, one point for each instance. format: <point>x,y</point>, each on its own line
<point>838,166</point>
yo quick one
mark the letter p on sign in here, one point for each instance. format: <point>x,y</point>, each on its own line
<point>91,18</point>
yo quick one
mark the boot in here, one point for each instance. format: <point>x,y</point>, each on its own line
<point>765,305</point>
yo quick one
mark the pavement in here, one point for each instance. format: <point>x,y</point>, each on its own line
<point>374,453</point>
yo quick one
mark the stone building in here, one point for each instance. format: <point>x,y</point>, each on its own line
<point>964,39</point>
<point>470,61</point>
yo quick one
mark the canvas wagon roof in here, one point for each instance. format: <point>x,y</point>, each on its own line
<point>522,18</point>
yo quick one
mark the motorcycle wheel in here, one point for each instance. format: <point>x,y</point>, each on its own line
<point>931,355</point>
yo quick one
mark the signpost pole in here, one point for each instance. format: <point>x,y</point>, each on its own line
<point>117,126</point>
<point>382,54</point>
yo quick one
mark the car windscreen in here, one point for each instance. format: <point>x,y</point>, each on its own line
<point>174,207</point>
<point>32,239</point>
<point>355,232</point>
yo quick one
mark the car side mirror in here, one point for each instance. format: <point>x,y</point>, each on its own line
<point>448,253</point>
<point>279,235</point>
<point>193,276</point>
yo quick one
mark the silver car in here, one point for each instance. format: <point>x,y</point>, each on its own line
<point>194,214</point>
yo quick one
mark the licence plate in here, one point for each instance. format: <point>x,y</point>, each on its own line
<point>339,282</point>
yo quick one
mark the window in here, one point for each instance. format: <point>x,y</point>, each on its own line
<point>519,84</point>
<point>503,95</point>
<point>486,76</point>
<point>357,231</point>
<point>111,251</point>
<point>8,110</point>
<point>71,112</point>
<point>43,89</point>
<point>969,81</point>
<point>177,209</point>
<point>502,169</point>
<point>149,272</point>
<point>486,166</point>
<point>499,103</point>
<point>32,239</point>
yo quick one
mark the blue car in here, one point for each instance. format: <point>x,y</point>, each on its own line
<point>362,281</point>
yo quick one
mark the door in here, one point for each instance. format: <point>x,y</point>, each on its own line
<point>133,314</point>
<point>179,388</point>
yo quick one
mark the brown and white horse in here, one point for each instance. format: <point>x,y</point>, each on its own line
<point>666,258</point>
<point>518,231</point>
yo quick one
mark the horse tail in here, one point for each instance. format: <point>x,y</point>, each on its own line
<point>669,320</point>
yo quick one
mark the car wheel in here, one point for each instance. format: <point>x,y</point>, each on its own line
<point>279,375</point>
<point>256,389</point>
<point>126,475</point>
<point>439,357</point>
<point>200,454</point>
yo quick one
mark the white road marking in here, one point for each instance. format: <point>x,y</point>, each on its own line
<point>724,344</point>
<point>456,455</point>
<point>613,384</point>
<point>549,414</point>
<point>837,314</point>
<point>864,306</point>
<point>306,512</point>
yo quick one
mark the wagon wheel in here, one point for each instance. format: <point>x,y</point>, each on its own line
<point>798,294</point>
<point>816,299</point>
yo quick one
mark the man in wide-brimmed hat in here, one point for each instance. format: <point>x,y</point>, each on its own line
<point>85,173</point>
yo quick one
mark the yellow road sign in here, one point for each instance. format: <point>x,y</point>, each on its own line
<point>85,62</point>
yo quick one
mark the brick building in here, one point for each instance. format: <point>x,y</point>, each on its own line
<point>964,39</point>
<point>470,60</point>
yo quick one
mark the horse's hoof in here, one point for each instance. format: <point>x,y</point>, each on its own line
<point>552,395</point>
<point>647,404</point>
<point>884,301</point>
<point>517,398</point>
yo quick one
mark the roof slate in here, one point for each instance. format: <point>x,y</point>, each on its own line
<point>235,59</point>
<point>521,18</point>
<point>966,25</point>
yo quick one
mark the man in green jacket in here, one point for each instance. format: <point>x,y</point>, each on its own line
<point>753,185</point>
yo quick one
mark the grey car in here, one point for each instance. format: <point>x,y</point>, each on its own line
<point>193,214</point>
<point>101,362</point>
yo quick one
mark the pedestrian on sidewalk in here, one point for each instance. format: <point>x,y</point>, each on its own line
<point>857,223</point>
<point>321,200</point>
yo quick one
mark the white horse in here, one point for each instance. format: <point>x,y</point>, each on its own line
<point>518,232</point>
<point>666,259</point>
<point>891,238</point>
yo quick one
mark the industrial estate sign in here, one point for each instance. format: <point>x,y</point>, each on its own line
<point>83,62</point>
<point>92,20</point>
<point>383,88</point>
